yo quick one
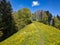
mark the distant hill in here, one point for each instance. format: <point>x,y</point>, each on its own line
<point>35,34</point>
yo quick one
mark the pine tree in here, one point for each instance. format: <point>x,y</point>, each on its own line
<point>49,16</point>
<point>58,17</point>
<point>7,25</point>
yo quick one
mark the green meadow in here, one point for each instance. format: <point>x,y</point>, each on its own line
<point>34,34</point>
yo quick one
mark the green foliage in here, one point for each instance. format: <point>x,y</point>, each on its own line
<point>57,22</point>
<point>45,19</point>
<point>35,34</point>
<point>58,17</point>
<point>49,16</point>
<point>33,17</point>
<point>1,34</point>
<point>22,18</point>
<point>6,21</point>
<point>43,16</point>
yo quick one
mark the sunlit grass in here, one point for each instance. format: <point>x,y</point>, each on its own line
<point>35,34</point>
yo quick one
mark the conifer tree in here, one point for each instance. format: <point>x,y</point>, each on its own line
<point>7,26</point>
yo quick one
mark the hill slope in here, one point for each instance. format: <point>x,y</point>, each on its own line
<point>35,34</point>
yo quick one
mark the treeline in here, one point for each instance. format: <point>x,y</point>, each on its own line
<point>22,17</point>
<point>7,24</point>
<point>47,18</point>
<point>11,22</point>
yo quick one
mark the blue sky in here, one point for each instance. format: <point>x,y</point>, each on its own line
<point>51,5</point>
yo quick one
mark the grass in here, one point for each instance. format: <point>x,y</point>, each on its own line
<point>35,34</point>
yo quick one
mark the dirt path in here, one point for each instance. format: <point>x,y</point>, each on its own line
<point>39,30</point>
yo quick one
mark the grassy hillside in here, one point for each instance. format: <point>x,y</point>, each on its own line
<point>35,34</point>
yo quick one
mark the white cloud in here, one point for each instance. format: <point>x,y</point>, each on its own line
<point>35,3</point>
